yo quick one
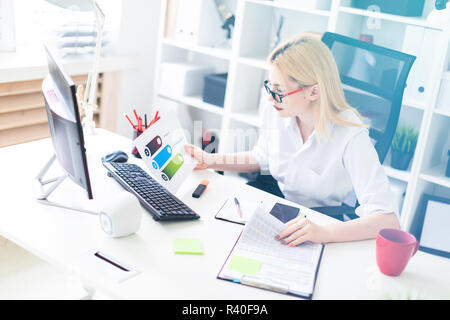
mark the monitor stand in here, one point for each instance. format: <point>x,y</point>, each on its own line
<point>42,194</point>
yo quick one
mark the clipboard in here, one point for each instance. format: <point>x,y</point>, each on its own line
<point>260,280</point>
<point>228,211</point>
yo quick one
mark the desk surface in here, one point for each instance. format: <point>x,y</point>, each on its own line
<point>59,236</point>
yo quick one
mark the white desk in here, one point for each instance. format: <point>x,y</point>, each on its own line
<point>60,237</point>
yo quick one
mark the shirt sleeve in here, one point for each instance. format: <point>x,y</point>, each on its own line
<point>369,180</point>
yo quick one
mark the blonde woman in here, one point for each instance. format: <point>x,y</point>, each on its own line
<point>316,147</point>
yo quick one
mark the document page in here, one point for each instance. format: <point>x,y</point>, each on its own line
<point>161,147</point>
<point>291,269</point>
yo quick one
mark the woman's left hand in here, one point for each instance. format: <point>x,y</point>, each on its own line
<point>300,230</point>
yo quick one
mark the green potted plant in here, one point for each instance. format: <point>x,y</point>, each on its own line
<point>403,146</point>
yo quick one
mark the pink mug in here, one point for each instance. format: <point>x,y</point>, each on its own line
<point>394,248</point>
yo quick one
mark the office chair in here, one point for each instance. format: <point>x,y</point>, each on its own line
<point>374,79</point>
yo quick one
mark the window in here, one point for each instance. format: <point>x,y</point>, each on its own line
<point>38,22</point>
<point>7,25</point>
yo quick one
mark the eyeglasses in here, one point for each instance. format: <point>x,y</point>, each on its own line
<point>278,97</point>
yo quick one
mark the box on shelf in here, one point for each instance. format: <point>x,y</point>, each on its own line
<point>417,42</point>
<point>408,8</point>
<point>198,22</point>
<point>214,88</point>
<point>444,92</point>
<point>182,78</point>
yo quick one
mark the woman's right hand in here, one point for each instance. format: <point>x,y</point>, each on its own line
<point>198,154</point>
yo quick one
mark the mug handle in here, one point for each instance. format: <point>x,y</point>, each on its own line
<point>416,247</point>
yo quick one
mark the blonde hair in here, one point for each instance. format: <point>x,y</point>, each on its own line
<point>307,61</point>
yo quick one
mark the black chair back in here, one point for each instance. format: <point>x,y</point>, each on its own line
<point>374,79</point>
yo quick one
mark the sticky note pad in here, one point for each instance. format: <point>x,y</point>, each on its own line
<point>244,265</point>
<point>187,246</point>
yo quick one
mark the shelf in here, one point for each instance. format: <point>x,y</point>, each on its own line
<point>443,112</point>
<point>436,175</point>
<point>413,104</point>
<point>257,62</point>
<point>397,174</point>
<point>417,21</point>
<point>196,102</point>
<point>250,117</point>
<point>214,52</point>
<point>274,4</point>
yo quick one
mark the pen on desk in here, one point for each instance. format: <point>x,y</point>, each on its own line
<point>135,114</point>
<point>145,121</point>
<point>238,207</point>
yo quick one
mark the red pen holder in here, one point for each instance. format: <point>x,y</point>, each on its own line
<point>135,152</point>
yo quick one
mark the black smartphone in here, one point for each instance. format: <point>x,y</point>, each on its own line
<point>283,212</point>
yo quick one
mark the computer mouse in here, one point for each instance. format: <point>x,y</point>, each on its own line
<point>116,156</point>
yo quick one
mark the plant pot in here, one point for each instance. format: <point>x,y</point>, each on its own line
<point>400,160</point>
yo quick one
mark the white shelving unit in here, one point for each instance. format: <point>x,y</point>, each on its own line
<point>422,22</point>
<point>245,63</point>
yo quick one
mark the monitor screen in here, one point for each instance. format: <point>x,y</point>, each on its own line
<point>64,123</point>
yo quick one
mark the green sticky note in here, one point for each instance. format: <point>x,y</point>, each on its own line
<point>187,246</point>
<point>244,265</point>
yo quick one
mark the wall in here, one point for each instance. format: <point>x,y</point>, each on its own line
<point>138,36</point>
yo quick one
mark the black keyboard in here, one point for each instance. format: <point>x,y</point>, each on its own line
<point>153,196</point>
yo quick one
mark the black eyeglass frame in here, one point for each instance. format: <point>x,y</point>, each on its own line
<point>276,95</point>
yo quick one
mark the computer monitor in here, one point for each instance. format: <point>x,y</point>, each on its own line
<point>64,123</point>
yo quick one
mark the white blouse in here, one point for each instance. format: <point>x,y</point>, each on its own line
<point>324,172</point>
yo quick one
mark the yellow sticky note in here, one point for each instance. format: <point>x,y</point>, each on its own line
<point>244,265</point>
<point>187,246</point>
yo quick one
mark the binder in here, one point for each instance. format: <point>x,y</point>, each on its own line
<point>265,263</point>
<point>418,41</point>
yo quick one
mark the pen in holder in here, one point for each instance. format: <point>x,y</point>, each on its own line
<point>135,152</point>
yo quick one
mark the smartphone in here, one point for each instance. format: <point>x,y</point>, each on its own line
<point>283,212</point>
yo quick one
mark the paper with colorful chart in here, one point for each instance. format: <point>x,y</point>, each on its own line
<point>161,147</point>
